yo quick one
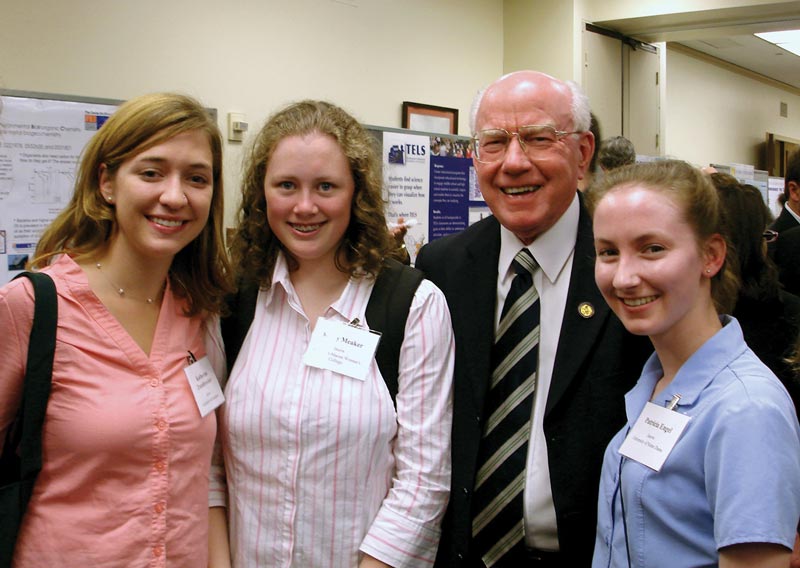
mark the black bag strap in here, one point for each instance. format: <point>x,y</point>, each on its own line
<point>387,312</point>
<point>38,374</point>
<point>234,327</point>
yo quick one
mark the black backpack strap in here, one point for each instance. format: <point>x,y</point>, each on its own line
<point>387,312</point>
<point>38,373</point>
<point>242,306</point>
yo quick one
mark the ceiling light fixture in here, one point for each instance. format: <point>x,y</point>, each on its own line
<point>788,40</point>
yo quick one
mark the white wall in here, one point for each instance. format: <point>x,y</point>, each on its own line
<point>253,56</point>
<point>539,35</point>
<point>716,115</point>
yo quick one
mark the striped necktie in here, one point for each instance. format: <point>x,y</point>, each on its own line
<point>497,523</point>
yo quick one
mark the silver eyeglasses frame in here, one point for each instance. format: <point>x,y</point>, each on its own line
<point>559,134</point>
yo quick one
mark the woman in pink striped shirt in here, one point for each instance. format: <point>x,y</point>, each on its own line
<point>322,469</point>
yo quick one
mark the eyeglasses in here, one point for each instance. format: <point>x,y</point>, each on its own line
<point>770,236</point>
<point>491,145</point>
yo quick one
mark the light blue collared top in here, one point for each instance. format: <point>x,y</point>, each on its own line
<point>733,477</point>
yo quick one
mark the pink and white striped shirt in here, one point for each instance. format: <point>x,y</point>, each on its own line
<point>319,465</point>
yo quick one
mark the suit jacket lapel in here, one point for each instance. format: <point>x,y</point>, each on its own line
<point>578,333</point>
<point>476,292</point>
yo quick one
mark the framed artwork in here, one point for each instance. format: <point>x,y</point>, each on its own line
<point>430,118</point>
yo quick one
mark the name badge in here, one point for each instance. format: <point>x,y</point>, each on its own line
<point>205,386</point>
<point>342,348</point>
<point>654,436</point>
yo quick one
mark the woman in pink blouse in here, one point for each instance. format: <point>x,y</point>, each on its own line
<point>322,469</point>
<point>138,262</point>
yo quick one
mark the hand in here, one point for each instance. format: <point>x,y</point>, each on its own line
<point>399,230</point>
<point>372,562</point>
<point>795,559</point>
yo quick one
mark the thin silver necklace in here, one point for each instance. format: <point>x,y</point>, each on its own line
<point>119,289</point>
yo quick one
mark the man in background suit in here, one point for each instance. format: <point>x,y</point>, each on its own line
<point>790,214</point>
<point>586,360</point>
<point>785,251</point>
<point>787,257</point>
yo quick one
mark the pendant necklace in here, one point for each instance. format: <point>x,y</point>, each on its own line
<point>119,289</point>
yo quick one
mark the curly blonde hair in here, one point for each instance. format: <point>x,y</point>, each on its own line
<point>367,241</point>
<point>200,273</point>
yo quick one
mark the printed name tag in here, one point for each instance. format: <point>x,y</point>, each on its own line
<point>654,435</point>
<point>341,348</point>
<point>205,386</point>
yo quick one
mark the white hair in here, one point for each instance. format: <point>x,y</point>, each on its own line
<point>580,110</point>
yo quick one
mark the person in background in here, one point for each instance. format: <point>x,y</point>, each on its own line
<point>538,386</point>
<point>398,232</point>
<point>322,468</point>
<point>726,489</point>
<point>787,257</point>
<point>139,264</point>
<point>615,152</point>
<point>585,183</point>
<point>768,315</point>
<point>790,214</point>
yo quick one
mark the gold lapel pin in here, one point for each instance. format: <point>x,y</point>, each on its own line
<point>586,310</point>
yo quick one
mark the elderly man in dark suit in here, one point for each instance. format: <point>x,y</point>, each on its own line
<point>525,493</point>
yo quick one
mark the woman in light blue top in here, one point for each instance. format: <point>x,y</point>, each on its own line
<point>722,482</point>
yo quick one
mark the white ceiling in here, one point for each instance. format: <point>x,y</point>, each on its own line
<point>727,35</point>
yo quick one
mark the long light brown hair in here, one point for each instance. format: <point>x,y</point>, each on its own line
<point>697,198</point>
<point>200,272</point>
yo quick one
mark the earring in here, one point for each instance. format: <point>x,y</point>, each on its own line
<point>708,271</point>
<point>109,198</point>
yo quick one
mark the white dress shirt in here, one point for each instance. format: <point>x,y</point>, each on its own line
<point>319,465</point>
<point>553,250</point>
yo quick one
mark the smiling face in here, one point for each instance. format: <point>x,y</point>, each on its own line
<point>309,190</point>
<point>529,194</point>
<point>162,197</point>
<point>650,268</point>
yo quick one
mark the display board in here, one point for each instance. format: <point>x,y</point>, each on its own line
<point>430,183</point>
<point>41,139</point>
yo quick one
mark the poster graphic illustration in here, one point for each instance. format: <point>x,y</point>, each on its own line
<point>40,144</point>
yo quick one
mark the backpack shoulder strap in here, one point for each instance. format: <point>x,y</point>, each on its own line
<point>242,306</point>
<point>387,312</point>
<point>38,372</point>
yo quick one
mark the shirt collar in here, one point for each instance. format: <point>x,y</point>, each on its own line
<point>791,212</point>
<point>695,374</point>
<point>346,305</point>
<point>551,249</point>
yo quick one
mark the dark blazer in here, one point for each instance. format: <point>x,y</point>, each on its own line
<point>770,328</point>
<point>597,362</point>
<point>784,222</point>
<point>787,257</point>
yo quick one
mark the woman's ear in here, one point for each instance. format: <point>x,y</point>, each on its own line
<point>106,183</point>
<point>714,253</point>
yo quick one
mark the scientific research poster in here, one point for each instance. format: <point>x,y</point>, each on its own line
<point>40,144</point>
<point>431,185</point>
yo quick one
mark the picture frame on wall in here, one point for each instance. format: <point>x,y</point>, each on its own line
<point>430,118</point>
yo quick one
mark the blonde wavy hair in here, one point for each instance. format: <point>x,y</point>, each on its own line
<point>200,273</point>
